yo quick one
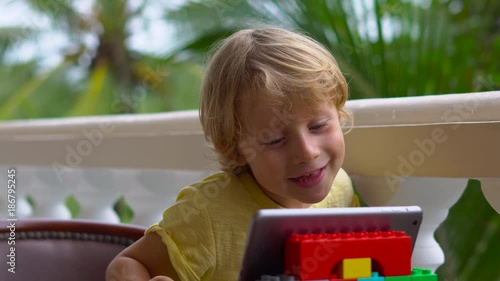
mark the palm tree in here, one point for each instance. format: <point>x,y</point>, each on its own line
<point>387,49</point>
<point>428,50</point>
<point>105,76</point>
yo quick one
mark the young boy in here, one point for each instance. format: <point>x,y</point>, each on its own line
<point>272,107</point>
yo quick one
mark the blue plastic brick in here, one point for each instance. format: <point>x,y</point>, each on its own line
<point>375,277</point>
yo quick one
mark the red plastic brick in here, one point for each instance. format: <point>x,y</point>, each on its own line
<point>317,256</point>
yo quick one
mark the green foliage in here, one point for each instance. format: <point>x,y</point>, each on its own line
<point>10,36</point>
<point>123,210</point>
<point>386,48</point>
<point>109,78</point>
<point>29,94</point>
<point>469,236</point>
<point>73,206</point>
<point>98,95</point>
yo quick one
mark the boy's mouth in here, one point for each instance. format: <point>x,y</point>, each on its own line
<point>310,178</point>
<point>307,176</point>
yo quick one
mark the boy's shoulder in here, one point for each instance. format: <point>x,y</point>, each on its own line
<point>215,183</point>
<point>221,186</point>
<point>342,179</point>
<point>222,197</point>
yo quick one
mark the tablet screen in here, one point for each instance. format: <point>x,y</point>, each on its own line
<point>270,228</point>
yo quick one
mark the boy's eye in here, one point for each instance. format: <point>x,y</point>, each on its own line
<point>317,127</point>
<point>276,141</point>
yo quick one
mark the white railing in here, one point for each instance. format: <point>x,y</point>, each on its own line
<point>401,151</point>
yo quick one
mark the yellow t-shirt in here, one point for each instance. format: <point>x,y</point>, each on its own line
<point>205,231</point>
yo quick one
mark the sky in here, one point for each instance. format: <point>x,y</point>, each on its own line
<point>47,47</point>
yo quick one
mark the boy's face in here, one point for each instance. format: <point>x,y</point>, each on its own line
<point>294,155</point>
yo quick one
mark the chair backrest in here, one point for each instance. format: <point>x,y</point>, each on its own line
<point>48,249</point>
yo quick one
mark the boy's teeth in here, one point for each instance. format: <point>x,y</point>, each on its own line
<point>308,175</point>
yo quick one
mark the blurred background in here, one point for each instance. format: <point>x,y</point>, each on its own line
<point>61,58</point>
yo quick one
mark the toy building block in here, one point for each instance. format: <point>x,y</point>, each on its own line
<point>356,268</point>
<point>374,277</point>
<point>317,256</point>
<point>398,278</point>
<point>276,278</point>
<point>270,278</point>
<point>419,274</point>
<point>335,277</point>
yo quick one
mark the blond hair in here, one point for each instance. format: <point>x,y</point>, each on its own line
<point>269,63</point>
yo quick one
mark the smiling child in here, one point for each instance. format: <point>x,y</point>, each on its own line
<point>272,108</point>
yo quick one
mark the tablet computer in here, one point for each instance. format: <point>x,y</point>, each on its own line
<point>270,228</point>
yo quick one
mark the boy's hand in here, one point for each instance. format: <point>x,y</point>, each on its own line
<point>161,278</point>
<point>146,258</point>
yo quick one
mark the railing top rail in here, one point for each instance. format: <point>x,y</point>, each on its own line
<point>454,135</point>
<point>423,110</point>
<point>420,110</point>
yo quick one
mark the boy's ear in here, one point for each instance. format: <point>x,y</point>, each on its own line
<point>242,149</point>
<point>240,160</point>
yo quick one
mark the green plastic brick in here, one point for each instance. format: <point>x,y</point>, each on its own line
<point>419,274</point>
<point>398,278</point>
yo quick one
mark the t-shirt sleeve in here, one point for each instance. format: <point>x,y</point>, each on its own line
<point>186,231</point>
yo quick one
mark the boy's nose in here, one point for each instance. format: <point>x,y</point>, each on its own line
<point>305,150</point>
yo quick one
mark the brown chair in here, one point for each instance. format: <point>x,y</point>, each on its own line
<point>65,250</point>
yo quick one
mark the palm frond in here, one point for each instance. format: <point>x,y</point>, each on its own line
<point>15,101</point>
<point>10,36</point>
<point>87,103</point>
